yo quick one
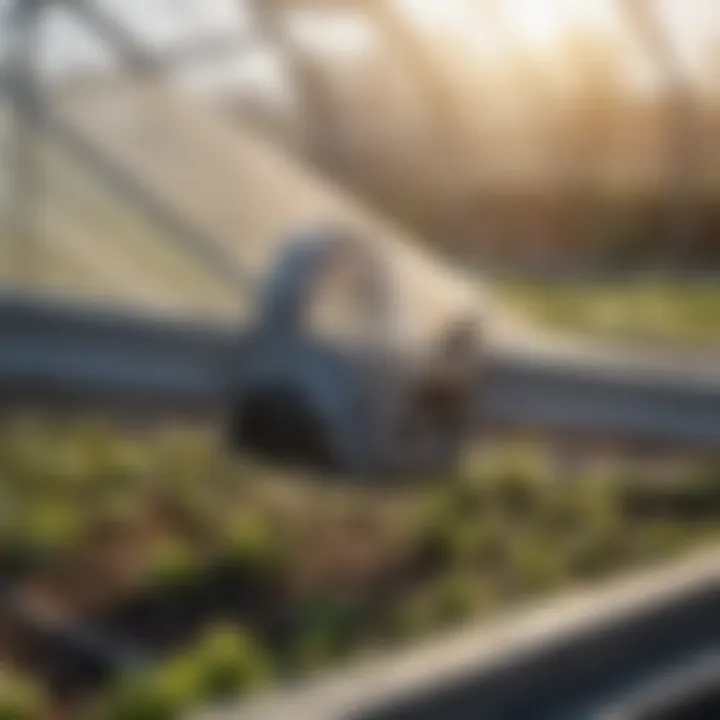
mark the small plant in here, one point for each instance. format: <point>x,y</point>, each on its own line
<point>186,457</point>
<point>456,599</point>
<point>229,662</point>
<point>466,495</point>
<point>518,484</point>
<point>152,695</point>
<point>409,618</point>
<point>252,552</point>
<point>561,514</point>
<point>446,533</point>
<point>20,699</point>
<point>188,508</point>
<point>98,457</point>
<point>43,531</point>
<point>173,566</point>
<point>596,551</point>
<point>658,539</point>
<point>598,502</point>
<point>536,566</point>
<point>436,543</point>
<point>323,629</point>
<point>124,465</point>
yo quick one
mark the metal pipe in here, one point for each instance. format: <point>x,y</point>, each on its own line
<point>26,162</point>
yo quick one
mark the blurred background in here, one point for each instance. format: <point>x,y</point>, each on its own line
<point>537,139</point>
<point>563,157</point>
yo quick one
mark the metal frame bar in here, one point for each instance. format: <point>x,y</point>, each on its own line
<point>26,174</point>
<point>141,58</point>
<point>22,85</point>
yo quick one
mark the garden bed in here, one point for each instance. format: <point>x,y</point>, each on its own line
<point>202,577</point>
<point>636,310</point>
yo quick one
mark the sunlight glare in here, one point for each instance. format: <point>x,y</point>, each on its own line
<point>540,23</point>
<point>341,34</point>
<point>439,14</point>
<point>536,23</point>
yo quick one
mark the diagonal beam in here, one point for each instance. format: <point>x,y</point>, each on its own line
<point>318,117</point>
<point>140,58</point>
<point>22,69</point>
<point>190,240</point>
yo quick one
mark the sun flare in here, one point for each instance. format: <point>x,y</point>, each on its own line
<point>538,23</point>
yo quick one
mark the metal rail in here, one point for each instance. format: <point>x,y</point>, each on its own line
<point>573,657</point>
<point>602,399</point>
<point>55,355</point>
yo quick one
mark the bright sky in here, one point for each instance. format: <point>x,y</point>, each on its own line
<point>537,25</point>
<point>540,25</point>
<point>542,22</point>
